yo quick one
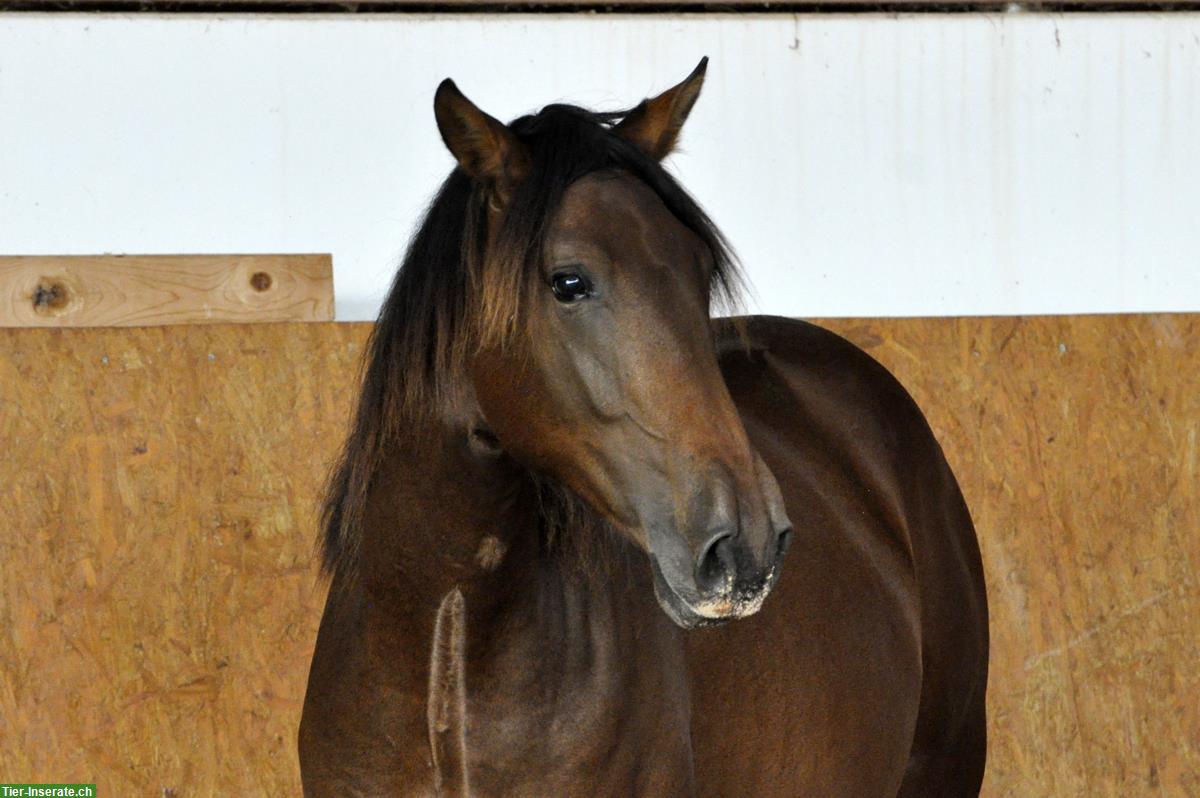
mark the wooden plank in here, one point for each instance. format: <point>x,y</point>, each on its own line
<point>147,290</point>
<point>159,597</point>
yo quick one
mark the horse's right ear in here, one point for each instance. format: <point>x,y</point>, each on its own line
<point>483,146</point>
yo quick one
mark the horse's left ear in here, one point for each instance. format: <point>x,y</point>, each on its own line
<point>654,125</point>
<point>483,146</point>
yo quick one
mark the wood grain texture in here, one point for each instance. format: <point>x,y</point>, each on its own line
<point>143,290</point>
<point>159,599</point>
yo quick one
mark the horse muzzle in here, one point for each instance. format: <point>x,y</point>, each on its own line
<point>723,585</point>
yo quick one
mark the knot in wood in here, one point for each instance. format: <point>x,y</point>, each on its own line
<point>260,281</point>
<point>50,296</point>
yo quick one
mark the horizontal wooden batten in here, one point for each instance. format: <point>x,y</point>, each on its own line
<point>149,290</point>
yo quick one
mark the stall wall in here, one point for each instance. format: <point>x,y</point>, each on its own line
<point>863,165</point>
<point>159,598</point>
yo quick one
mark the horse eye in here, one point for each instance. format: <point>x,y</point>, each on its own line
<point>569,287</point>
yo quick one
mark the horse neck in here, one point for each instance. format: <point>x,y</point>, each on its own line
<point>455,577</point>
<point>437,519</point>
<point>440,517</point>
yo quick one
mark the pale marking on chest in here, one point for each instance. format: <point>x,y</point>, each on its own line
<point>446,711</point>
<point>490,553</point>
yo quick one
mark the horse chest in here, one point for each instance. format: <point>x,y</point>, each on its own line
<point>548,712</point>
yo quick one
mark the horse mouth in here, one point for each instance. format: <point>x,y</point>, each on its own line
<point>736,603</point>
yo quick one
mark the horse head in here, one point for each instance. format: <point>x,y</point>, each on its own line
<point>598,274</point>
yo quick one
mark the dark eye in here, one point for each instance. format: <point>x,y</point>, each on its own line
<point>570,287</point>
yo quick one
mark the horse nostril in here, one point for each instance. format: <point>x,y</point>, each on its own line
<point>715,567</point>
<point>782,543</point>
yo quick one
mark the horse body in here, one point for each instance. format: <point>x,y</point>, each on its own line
<point>857,677</point>
<point>567,495</point>
<point>870,658</point>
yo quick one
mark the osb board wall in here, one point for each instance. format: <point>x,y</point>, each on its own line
<point>157,604</point>
<point>158,599</point>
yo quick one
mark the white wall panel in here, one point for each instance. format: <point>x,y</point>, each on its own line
<point>862,165</point>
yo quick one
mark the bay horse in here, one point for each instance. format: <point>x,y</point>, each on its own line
<point>568,490</point>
